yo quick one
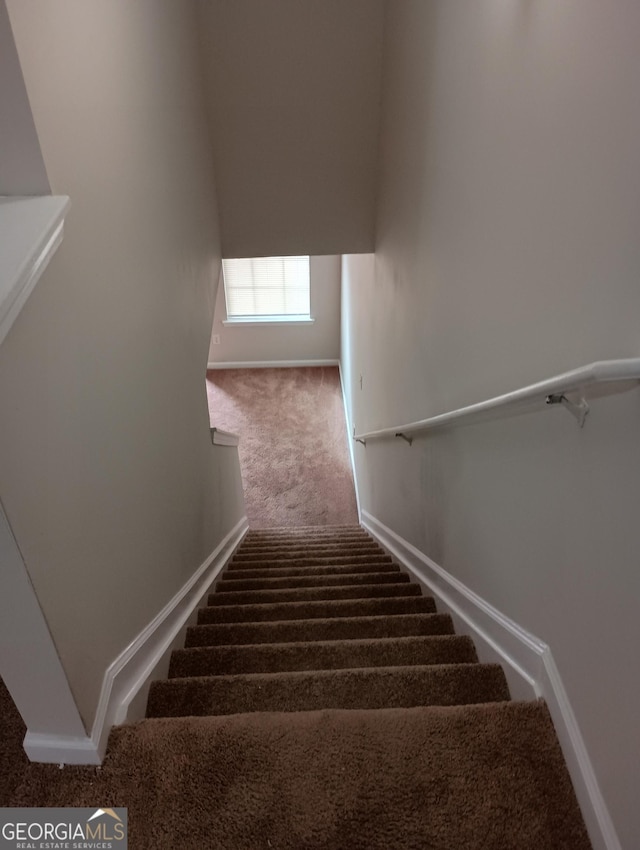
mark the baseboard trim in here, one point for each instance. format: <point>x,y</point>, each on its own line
<point>350,443</point>
<point>271,364</point>
<point>223,438</point>
<point>56,749</point>
<point>127,673</point>
<point>528,663</point>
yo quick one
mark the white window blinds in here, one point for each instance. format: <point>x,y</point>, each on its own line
<point>267,287</point>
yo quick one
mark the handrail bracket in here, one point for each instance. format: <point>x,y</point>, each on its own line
<point>578,409</point>
<point>404,437</point>
<point>359,440</point>
<point>568,389</point>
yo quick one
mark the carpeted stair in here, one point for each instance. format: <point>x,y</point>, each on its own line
<point>321,703</point>
<point>335,708</point>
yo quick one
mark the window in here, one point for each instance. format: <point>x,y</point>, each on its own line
<point>267,289</point>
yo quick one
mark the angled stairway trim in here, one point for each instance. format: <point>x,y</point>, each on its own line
<point>271,364</point>
<point>32,230</point>
<point>39,688</point>
<point>528,663</point>
<point>350,443</point>
<point>129,671</point>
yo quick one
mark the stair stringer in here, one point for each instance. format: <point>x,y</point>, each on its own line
<point>527,661</point>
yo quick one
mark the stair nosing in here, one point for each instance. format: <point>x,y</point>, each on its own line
<point>330,643</point>
<point>335,604</point>
<point>340,586</point>
<point>399,578</point>
<point>337,619</point>
<point>341,671</point>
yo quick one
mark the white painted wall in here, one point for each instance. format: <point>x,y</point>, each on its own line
<point>317,341</point>
<point>507,252</point>
<point>22,169</point>
<point>294,93</point>
<point>110,483</point>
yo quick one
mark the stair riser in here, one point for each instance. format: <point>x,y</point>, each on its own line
<point>342,528</point>
<point>302,554</point>
<point>318,609</point>
<point>362,591</point>
<point>256,564</point>
<point>308,538</point>
<point>230,584</point>
<point>285,572</point>
<point>339,628</point>
<point>399,687</point>
<point>309,542</point>
<point>327,655</point>
<point>348,566</point>
<point>328,548</point>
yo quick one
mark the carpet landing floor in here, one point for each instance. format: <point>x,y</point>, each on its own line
<point>293,450</point>
<point>322,702</point>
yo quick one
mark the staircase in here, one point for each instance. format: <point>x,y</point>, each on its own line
<point>336,708</point>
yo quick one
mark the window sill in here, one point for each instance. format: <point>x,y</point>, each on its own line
<point>269,321</point>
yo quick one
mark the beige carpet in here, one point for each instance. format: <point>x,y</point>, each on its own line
<point>293,443</point>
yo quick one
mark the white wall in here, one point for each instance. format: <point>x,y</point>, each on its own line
<point>109,479</point>
<point>22,169</point>
<point>317,341</point>
<point>507,252</point>
<point>294,105</point>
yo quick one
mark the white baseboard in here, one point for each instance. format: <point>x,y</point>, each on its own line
<point>128,673</point>
<point>527,661</point>
<point>350,443</point>
<point>56,749</point>
<point>271,364</point>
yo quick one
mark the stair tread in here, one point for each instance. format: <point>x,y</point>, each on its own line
<point>326,533</point>
<point>230,583</point>
<point>518,794</point>
<point>368,687</point>
<point>343,628</point>
<point>345,591</point>
<point>321,526</point>
<point>311,609</point>
<point>245,552</point>
<point>308,539</point>
<point>300,545</point>
<point>316,655</point>
<point>309,561</point>
<point>339,569</point>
